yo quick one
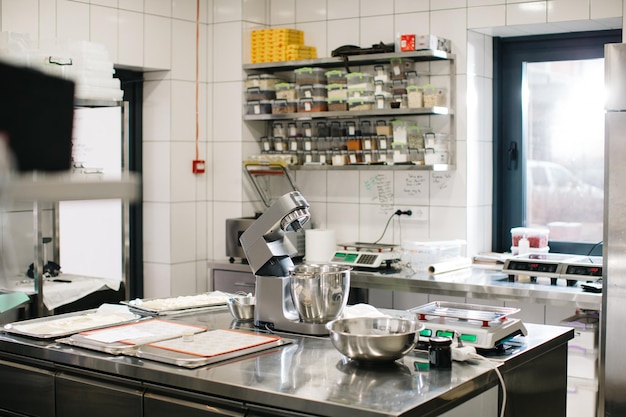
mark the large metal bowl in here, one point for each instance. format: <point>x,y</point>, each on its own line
<point>319,291</point>
<point>242,308</point>
<point>374,339</point>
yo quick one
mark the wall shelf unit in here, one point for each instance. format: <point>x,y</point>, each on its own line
<point>316,154</point>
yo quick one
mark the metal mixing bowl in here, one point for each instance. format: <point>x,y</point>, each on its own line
<point>319,291</point>
<point>374,339</point>
<point>242,308</point>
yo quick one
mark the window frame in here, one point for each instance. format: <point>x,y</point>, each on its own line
<point>509,55</point>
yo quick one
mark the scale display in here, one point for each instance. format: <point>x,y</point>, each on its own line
<point>555,266</point>
<point>365,255</point>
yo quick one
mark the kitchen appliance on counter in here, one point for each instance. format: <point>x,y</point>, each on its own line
<point>282,295</point>
<point>555,266</point>
<point>483,327</point>
<point>235,228</point>
<point>366,255</point>
<point>261,174</point>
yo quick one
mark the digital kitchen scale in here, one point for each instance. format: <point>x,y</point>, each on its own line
<point>367,255</point>
<point>483,327</point>
<point>555,266</point>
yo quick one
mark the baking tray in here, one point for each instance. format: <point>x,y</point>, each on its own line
<point>179,305</point>
<point>464,311</point>
<point>68,323</point>
<point>124,339</point>
<point>208,347</point>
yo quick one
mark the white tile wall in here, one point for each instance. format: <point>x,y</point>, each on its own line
<point>565,10</point>
<point>103,27</point>
<point>184,213</point>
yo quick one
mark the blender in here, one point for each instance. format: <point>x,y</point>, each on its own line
<point>284,292</point>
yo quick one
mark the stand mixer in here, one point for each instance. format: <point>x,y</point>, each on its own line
<point>269,256</point>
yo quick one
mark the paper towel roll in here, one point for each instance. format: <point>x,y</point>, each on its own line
<point>319,245</point>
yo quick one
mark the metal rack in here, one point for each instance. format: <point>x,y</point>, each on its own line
<point>41,187</point>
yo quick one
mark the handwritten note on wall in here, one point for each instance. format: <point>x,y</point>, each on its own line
<point>377,187</point>
<point>411,187</point>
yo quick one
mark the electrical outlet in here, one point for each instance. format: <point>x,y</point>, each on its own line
<point>417,214</point>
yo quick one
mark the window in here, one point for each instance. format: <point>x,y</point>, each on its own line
<point>549,137</point>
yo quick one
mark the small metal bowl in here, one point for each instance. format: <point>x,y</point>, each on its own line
<point>242,308</point>
<point>374,339</point>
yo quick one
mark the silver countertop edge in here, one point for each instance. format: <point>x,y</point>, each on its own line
<point>307,375</point>
<point>474,282</point>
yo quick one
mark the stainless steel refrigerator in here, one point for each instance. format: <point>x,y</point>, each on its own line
<point>612,362</point>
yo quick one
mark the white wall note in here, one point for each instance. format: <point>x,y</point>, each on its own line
<point>411,188</point>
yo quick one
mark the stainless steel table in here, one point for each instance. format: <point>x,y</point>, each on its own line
<point>307,377</point>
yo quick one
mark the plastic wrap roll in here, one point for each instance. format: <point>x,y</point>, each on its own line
<point>449,265</point>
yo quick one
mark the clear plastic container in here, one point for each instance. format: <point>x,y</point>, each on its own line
<point>312,105</point>
<point>360,103</point>
<point>381,74</point>
<point>359,92</point>
<point>281,106</point>
<point>415,97</point>
<point>337,104</point>
<point>381,87</point>
<point>434,96</point>
<point>398,87</point>
<point>383,129</point>
<point>339,91</point>
<point>316,91</point>
<point>336,77</point>
<point>310,75</point>
<point>360,80</point>
<point>262,81</point>
<point>417,256</point>
<point>259,107</point>
<point>286,91</point>
<point>382,101</point>
<point>537,237</point>
<point>399,68</point>
<point>256,93</point>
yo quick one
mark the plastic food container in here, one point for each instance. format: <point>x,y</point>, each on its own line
<point>360,103</point>
<point>312,105</point>
<point>262,81</point>
<point>337,104</point>
<point>415,97</point>
<point>537,237</point>
<point>280,106</point>
<point>360,92</point>
<point>255,93</point>
<point>398,87</point>
<point>259,107</point>
<point>381,74</point>
<point>311,91</point>
<point>417,256</point>
<point>310,75</point>
<point>361,80</point>
<point>382,101</point>
<point>336,77</point>
<point>434,96</point>
<point>337,91</point>
<point>286,91</point>
<point>383,129</point>
<point>399,68</point>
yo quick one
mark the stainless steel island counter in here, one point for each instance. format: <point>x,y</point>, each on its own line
<point>307,377</point>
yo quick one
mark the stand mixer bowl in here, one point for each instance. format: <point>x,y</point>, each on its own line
<point>319,291</point>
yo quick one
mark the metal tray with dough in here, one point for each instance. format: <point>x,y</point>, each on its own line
<point>179,305</point>
<point>209,347</point>
<point>61,325</point>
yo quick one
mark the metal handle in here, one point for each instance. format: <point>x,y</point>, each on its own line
<point>512,156</point>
